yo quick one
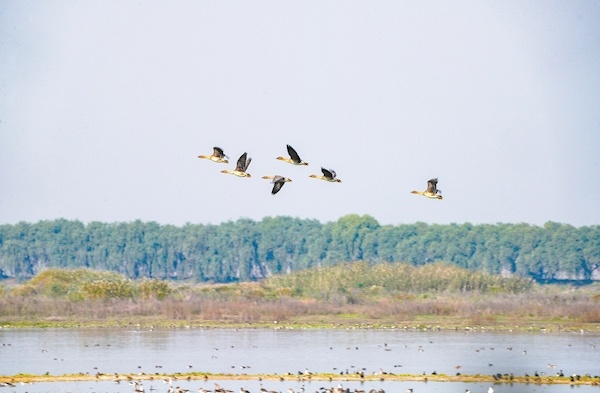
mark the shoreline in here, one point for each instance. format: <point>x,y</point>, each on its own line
<point>425,324</point>
<point>334,378</point>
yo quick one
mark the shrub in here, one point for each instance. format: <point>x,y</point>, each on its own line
<point>104,289</point>
<point>80,284</point>
<point>153,289</point>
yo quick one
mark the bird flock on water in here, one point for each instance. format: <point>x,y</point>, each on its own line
<point>139,388</point>
<point>278,181</point>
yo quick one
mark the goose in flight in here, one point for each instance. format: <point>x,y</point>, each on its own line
<point>294,157</point>
<point>216,156</point>
<point>240,169</point>
<point>328,175</point>
<point>278,182</point>
<point>431,191</point>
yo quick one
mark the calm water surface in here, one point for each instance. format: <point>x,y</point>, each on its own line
<point>254,351</point>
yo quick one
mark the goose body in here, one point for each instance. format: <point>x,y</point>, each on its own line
<point>216,156</point>
<point>431,191</point>
<point>328,175</point>
<point>294,157</point>
<point>278,182</point>
<point>241,167</point>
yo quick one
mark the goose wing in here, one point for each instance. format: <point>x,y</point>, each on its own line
<point>278,182</point>
<point>241,163</point>
<point>328,173</point>
<point>432,186</point>
<point>218,152</point>
<point>247,164</point>
<point>293,154</point>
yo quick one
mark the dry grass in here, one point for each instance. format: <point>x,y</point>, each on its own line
<point>447,310</point>
<point>347,294</point>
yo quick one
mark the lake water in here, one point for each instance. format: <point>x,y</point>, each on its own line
<point>280,351</point>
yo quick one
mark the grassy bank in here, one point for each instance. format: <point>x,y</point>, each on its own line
<point>346,296</point>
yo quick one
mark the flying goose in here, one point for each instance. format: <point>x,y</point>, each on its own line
<point>216,156</point>
<point>278,182</point>
<point>294,157</point>
<point>328,175</point>
<point>240,167</point>
<point>431,191</point>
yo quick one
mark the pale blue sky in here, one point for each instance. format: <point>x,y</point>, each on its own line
<point>105,105</point>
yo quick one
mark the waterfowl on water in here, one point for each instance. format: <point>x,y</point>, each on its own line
<point>138,387</point>
<point>278,182</point>
<point>294,157</point>
<point>219,389</point>
<point>431,191</point>
<point>242,165</point>
<point>216,156</point>
<point>328,175</point>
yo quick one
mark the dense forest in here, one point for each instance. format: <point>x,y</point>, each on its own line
<point>247,250</point>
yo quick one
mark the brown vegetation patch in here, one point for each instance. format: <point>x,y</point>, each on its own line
<point>345,295</point>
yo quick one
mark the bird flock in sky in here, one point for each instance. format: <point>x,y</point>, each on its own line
<point>278,181</point>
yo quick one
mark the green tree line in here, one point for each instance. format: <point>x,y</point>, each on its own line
<point>247,250</point>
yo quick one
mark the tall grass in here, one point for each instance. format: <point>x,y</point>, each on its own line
<point>349,293</point>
